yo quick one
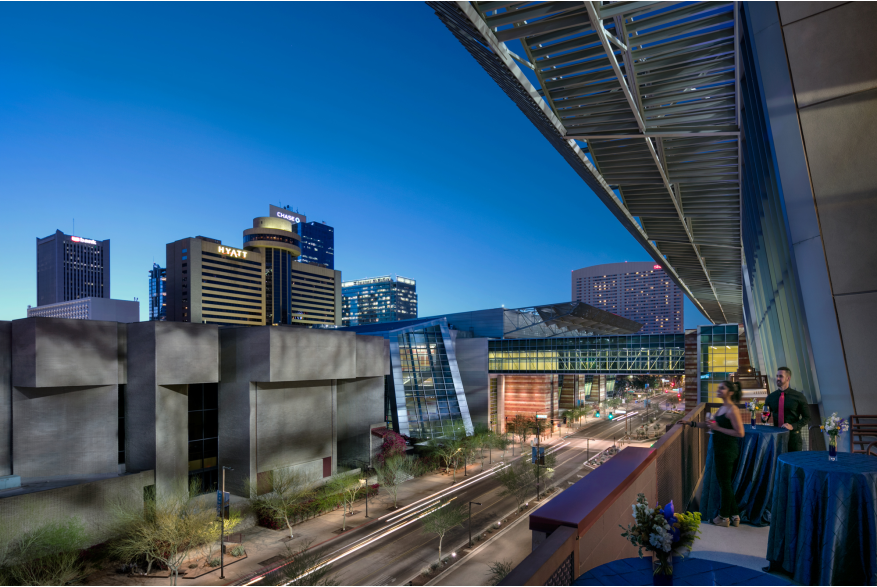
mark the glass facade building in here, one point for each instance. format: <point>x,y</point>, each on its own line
<point>317,244</point>
<point>633,354</point>
<point>157,293</point>
<point>424,394</point>
<point>718,358</point>
<point>72,268</point>
<point>378,299</point>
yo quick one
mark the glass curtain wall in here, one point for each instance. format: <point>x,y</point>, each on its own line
<point>656,353</point>
<point>719,356</point>
<point>204,434</point>
<point>427,383</point>
<point>278,277</point>
<point>775,307</point>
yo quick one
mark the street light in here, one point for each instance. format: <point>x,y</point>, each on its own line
<point>470,521</point>
<point>222,524</point>
<point>364,483</point>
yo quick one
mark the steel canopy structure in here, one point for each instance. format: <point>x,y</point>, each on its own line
<point>579,316</point>
<point>641,99</point>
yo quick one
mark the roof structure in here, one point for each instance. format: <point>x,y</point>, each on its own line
<point>579,316</point>
<point>641,99</point>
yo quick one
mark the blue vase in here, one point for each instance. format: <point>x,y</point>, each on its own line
<point>832,448</point>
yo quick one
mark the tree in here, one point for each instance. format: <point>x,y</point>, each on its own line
<point>497,442</point>
<point>520,427</point>
<point>448,450</point>
<point>394,471</point>
<point>499,570</point>
<point>443,518</point>
<point>517,480</point>
<point>344,486</point>
<point>302,568</point>
<point>48,554</point>
<point>284,489</point>
<point>165,528</point>
<point>235,517</point>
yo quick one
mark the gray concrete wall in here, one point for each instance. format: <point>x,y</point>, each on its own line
<point>836,99</point>
<point>299,354</point>
<point>372,356</point>
<point>360,405</point>
<point>472,361</point>
<point>88,501</point>
<point>5,398</point>
<point>164,358</point>
<point>294,423</point>
<point>60,431</point>
<point>50,352</point>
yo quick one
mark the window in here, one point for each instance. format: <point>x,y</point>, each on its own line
<point>204,434</point>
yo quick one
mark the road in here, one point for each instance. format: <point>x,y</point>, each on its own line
<point>395,548</point>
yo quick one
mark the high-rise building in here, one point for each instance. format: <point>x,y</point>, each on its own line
<point>317,244</point>
<point>317,238</point>
<point>378,299</point>
<point>259,284</point>
<point>642,292</point>
<point>72,268</point>
<point>157,293</point>
<point>126,311</point>
<point>295,293</point>
<point>213,284</point>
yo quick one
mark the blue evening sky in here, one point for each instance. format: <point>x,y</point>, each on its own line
<point>151,122</point>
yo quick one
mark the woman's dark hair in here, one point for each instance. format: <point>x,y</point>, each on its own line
<point>735,389</point>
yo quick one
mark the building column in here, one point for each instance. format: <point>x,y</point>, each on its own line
<point>500,403</point>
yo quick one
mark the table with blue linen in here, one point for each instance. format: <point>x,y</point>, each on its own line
<point>687,571</point>
<point>754,477</point>
<point>824,518</point>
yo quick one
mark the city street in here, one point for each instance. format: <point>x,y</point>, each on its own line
<point>393,549</point>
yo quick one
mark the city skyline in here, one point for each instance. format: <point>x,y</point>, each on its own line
<point>173,146</point>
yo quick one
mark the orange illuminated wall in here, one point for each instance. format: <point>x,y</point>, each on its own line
<point>530,394</point>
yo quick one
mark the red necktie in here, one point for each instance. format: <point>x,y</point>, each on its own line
<point>782,409</point>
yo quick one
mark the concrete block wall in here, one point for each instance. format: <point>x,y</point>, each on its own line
<point>65,399</point>
<point>163,359</point>
<point>88,501</point>
<point>360,405</point>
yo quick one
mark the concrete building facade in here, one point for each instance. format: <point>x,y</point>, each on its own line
<point>72,267</point>
<point>90,309</point>
<point>91,402</point>
<point>638,291</point>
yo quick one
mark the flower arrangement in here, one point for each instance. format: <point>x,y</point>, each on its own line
<point>834,426</point>
<point>663,532</point>
<point>754,406</point>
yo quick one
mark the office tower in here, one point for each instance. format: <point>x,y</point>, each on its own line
<point>378,299</point>
<point>213,284</point>
<point>72,268</point>
<point>157,293</point>
<point>126,311</point>
<point>295,293</point>
<point>317,244</point>
<point>642,292</point>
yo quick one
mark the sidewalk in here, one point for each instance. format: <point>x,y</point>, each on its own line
<point>262,544</point>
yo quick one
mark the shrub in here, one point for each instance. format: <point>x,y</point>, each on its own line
<point>238,550</point>
<point>214,562</point>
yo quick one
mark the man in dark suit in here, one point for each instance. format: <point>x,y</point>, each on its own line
<point>789,409</point>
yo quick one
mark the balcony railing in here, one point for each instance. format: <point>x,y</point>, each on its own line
<point>579,529</point>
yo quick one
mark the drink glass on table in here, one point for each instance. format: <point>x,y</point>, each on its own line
<point>765,414</point>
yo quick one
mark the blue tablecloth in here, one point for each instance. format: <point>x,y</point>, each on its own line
<point>824,527</point>
<point>754,478</point>
<point>688,571</point>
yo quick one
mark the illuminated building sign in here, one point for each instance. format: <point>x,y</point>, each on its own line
<point>236,253</point>
<point>85,241</point>
<point>289,217</point>
<point>657,267</point>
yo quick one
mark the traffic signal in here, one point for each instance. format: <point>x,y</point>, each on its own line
<point>611,416</point>
<point>597,414</point>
